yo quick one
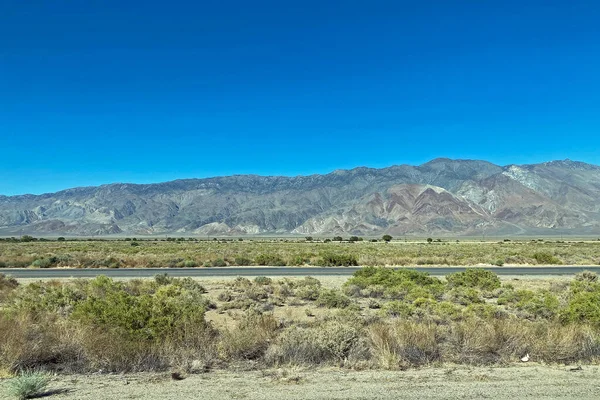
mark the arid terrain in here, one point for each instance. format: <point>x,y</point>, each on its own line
<point>185,252</point>
<point>448,382</point>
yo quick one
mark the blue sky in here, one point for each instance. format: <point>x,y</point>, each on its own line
<point>95,92</point>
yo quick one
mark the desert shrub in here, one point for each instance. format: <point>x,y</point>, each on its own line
<point>33,341</point>
<point>374,291</point>
<point>539,304</point>
<point>484,311</point>
<point>219,262</point>
<point>185,283</point>
<point>300,260</point>
<point>44,262</point>
<point>474,278</point>
<point>188,263</point>
<point>307,281</point>
<point>282,290</point>
<point>225,296</point>
<point>374,304</point>
<point>398,284</point>
<point>250,339</point>
<point>242,261</point>
<point>240,304</point>
<point>42,297</point>
<point>556,343</point>
<point>110,262</point>
<point>262,280</point>
<point>444,311</point>
<point>270,260</point>
<point>545,258</point>
<point>479,341</point>
<point>583,308</point>
<point>463,296</point>
<point>332,299</point>
<point>241,283</point>
<point>352,291</point>
<point>330,341</point>
<point>587,276</point>
<point>258,293</point>
<point>398,309</point>
<point>338,260</point>
<point>147,316</point>
<point>7,286</point>
<point>404,343</point>
<point>28,384</point>
<point>311,292</point>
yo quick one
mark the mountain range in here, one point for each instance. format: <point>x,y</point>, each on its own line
<point>442,197</point>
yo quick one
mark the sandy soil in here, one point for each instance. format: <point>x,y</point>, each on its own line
<point>531,381</point>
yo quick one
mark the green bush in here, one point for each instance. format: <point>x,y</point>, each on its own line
<point>398,309</point>
<point>189,263</point>
<point>539,304</point>
<point>338,260</point>
<point>242,261</point>
<point>270,260</point>
<point>332,299</point>
<point>398,284</point>
<point>584,302</point>
<point>219,262</point>
<point>546,258</point>
<point>151,315</point>
<point>474,278</point>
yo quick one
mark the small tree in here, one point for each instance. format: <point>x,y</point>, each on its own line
<point>61,239</point>
<point>386,238</point>
<point>309,239</point>
<point>338,239</point>
<point>354,239</point>
<point>429,240</point>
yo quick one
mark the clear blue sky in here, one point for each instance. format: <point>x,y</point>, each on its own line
<point>101,91</point>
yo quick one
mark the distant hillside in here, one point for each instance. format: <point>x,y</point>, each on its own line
<point>441,197</point>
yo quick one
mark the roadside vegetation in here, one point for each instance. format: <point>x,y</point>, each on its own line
<point>379,319</point>
<point>190,253</point>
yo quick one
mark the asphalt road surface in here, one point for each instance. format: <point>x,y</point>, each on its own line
<point>268,271</point>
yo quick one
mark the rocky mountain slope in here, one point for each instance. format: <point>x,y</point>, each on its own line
<point>441,197</point>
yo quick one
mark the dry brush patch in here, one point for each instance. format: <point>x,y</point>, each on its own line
<point>210,253</point>
<point>381,319</point>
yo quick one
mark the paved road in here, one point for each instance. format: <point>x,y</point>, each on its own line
<point>269,271</point>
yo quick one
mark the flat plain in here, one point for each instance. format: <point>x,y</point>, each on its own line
<point>294,252</point>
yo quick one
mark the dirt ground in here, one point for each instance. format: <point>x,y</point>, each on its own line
<point>518,382</point>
